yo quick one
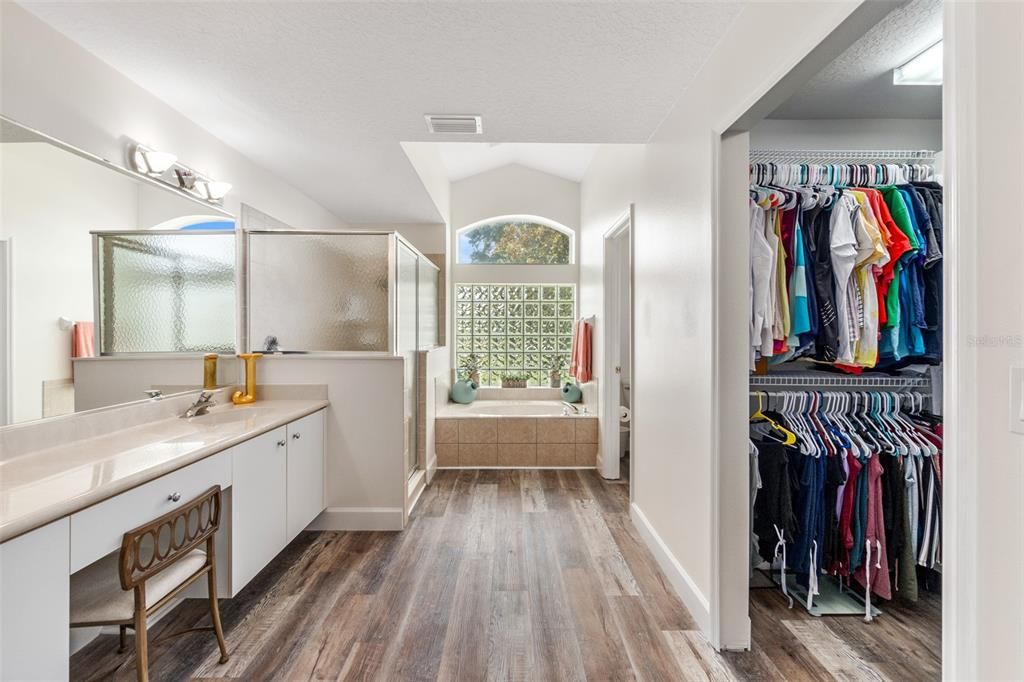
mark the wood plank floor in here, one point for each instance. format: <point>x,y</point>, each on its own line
<point>505,575</point>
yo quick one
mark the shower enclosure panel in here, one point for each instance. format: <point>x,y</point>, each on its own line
<point>164,291</point>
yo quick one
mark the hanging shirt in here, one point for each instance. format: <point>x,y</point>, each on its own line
<point>844,257</point>
<point>761,261</point>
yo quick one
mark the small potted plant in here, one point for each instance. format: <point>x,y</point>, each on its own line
<point>557,362</point>
<point>513,381</point>
<point>471,367</point>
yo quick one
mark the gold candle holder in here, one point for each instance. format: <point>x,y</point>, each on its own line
<point>249,396</point>
<point>209,371</point>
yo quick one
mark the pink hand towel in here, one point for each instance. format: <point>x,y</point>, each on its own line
<point>82,340</point>
<point>580,364</point>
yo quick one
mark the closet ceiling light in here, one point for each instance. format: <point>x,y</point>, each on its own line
<point>924,69</point>
<point>150,161</point>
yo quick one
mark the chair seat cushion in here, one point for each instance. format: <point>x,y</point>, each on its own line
<point>96,594</point>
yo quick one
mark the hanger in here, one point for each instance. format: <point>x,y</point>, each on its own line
<point>789,438</point>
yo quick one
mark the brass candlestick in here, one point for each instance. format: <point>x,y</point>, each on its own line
<point>249,396</point>
<point>209,371</point>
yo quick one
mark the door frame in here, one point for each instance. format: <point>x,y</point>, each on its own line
<point>960,494</point>
<point>611,341</point>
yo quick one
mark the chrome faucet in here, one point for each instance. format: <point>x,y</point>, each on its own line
<point>569,406</point>
<point>200,406</point>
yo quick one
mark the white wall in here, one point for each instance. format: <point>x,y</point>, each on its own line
<point>670,180</point>
<point>855,133</point>
<point>427,237</point>
<point>54,85</point>
<point>514,190</point>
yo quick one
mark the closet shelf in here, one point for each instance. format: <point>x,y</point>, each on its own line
<point>838,155</point>
<point>818,380</point>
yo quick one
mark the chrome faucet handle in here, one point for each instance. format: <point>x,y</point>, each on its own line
<point>154,393</point>
<point>204,397</point>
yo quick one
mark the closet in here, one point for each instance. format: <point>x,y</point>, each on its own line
<point>846,440</point>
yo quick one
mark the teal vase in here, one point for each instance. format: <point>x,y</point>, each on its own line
<point>571,393</point>
<point>464,391</point>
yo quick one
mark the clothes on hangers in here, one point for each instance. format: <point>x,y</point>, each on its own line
<point>857,497</point>
<point>845,265</point>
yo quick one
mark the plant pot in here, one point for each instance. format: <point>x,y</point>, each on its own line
<point>556,379</point>
<point>464,391</point>
<point>507,383</point>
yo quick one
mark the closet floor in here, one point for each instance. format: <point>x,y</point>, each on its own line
<point>527,575</point>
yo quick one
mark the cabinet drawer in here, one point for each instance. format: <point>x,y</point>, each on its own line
<point>97,531</point>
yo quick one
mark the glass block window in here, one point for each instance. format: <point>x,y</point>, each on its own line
<point>515,329</point>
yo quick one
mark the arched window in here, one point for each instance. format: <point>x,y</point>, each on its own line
<point>515,240</point>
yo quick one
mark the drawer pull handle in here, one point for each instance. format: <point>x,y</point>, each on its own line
<point>174,497</point>
<point>296,436</point>
<point>281,443</point>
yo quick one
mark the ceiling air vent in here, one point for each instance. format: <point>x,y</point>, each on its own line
<point>457,124</point>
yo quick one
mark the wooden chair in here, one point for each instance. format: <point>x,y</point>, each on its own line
<point>156,562</point>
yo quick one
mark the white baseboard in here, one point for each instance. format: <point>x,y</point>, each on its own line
<point>358,518</point>
<point>684,586</point>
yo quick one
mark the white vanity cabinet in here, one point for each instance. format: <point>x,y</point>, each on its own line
<point>34,604</point>
<point>275,483</point>
<point>305,472</point>
<point>258,504</point>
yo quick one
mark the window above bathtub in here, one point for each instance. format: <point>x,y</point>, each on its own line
<point>521,330</point>
<point>515,240</point>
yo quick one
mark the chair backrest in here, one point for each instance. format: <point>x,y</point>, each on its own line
<point>150,548</point>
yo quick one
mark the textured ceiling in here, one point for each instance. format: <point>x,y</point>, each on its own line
<point>323,92</point>
<point>463,159</point>
<point>858,84</point>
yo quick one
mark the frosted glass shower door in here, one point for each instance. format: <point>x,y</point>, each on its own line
<point>407,343</point>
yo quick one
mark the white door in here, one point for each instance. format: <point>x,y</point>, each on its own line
<point>258,504</point>
<point>305,472</point>
<point>617,340</point>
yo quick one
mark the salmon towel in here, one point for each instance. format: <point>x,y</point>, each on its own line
<point>579,365</point>
<point>82,340</point>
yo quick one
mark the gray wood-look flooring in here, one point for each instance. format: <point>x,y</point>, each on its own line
<point>506,575</point>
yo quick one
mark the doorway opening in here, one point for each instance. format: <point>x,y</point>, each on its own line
<point>617,455</point>
<point>836,413</point>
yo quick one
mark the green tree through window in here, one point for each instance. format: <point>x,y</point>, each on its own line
<point>514,242</point>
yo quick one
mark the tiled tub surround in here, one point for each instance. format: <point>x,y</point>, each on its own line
<point>514,441</point>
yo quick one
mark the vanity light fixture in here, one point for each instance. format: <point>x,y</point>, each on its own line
<point>213,190</point>
<point>924,69</point>
<point>154,164</point>
<point>150,161</point>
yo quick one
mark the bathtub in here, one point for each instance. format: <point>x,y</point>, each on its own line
<point>530,434</point>
<point>511,408</point>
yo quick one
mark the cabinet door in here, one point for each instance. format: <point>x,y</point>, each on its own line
<point>305,471</point>
<point>257,504</point>
<point>35,601</point>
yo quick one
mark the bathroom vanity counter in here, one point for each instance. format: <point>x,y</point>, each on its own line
<point>41,486</point>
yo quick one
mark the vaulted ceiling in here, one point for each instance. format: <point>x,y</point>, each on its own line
<point>323,93</point>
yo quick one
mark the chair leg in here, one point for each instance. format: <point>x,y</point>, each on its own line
<point>215,613</point>
<point>141,637</point>
<point>124,639</point>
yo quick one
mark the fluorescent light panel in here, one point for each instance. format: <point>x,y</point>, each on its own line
<point>924,69</point>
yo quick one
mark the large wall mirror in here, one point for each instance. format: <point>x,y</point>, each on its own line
<point>96,263</point>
